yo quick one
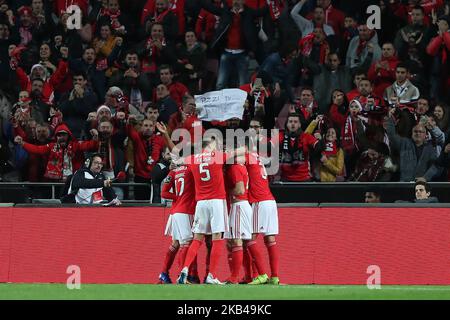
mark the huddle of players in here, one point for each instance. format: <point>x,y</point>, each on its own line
<point>203,191</point>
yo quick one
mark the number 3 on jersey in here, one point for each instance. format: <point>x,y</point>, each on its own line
<point>204,170</point>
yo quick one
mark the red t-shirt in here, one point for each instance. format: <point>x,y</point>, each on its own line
<point>207,169</point>
<point>234,36</point>
<point>181,181</point>
<point>258,182</point>
<point>236,173</point>
<point>301,170</point>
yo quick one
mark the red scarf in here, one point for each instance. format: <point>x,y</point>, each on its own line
<point>160,17</point>
<point>306,45</point>
<point>56,161</point>
<point>348,135</point>
<point>330,149</point>
<point>149,63</point>
<point>275,6</point>
<point>362,44</point>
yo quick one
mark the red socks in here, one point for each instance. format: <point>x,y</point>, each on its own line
<point>182,255</point>
<point>193,269</point>
<point>170,257</point>
<point>274,256</point>
<point>207,261</point>
<point>216,252</point>
<point>237,258</point>
<point>257,258</point>
<point>192,252</point>
<point>247,259</point>
<point>230,257</point>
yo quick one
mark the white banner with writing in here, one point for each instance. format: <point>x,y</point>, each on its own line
<point>221,105</point>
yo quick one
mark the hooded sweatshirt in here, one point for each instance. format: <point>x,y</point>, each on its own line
<point>62,162</point>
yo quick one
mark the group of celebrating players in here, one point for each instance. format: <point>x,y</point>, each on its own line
<point>216,202</point>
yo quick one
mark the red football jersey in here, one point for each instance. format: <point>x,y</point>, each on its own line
<point>258,181</point>
<point>181,181</point>
<point>237,173</point>
<point>207,169</point>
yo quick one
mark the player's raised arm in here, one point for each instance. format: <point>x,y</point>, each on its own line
<point>168,187</point>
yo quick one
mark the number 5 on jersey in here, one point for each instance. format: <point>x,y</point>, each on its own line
<point>204,170</point>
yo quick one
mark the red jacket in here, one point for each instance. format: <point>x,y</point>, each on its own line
<point>336,117</point>
<point>142,167</point>
<point>55,80</point>
<point>439,43</point>
<point>205,26</point>
<point>74,151</point>
<point>36,163</point>
<point>383,78</point>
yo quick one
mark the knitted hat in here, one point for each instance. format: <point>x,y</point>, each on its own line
<point>103,107</point>
<point>115,91</point>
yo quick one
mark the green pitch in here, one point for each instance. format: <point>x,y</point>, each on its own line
<point>235,292</point>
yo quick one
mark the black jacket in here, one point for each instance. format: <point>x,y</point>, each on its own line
<point>79,181</point>
<point>248,27</point>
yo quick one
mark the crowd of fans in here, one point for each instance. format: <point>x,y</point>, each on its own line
<point>353,103</point>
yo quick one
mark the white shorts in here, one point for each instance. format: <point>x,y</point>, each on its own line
<point>210,217</point>
<point>240,221</point>
<point>265,217</point>
<point>179,227</point>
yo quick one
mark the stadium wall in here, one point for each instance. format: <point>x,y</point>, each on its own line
<point>318,245</point>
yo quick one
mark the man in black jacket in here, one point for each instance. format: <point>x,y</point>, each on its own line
<point>90,186</point>
<point>235,37</point>
<point>78,103</point>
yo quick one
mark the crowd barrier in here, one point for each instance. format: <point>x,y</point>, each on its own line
<point>318,244</point>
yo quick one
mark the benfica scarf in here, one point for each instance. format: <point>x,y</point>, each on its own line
<point>330,149</point>
<point>59,160</point>
<point>306,45</point>
<point>275,7</point>
<point>348,135</point>
<point>107,154</point>
<point>149,64</point>
<point>291,148</point>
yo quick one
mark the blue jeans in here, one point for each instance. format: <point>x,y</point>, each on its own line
<point>228,62</point>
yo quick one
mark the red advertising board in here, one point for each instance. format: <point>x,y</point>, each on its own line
<point>317,245</point>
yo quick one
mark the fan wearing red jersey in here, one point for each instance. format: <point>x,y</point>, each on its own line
<point>211,210</point>
<point>265,217</point>
<point>180,182</point>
